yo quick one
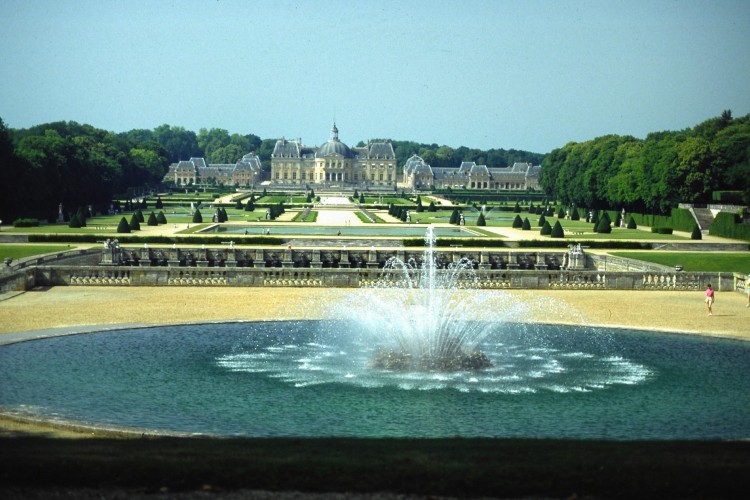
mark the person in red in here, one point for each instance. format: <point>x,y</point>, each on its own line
<point>710,297</point>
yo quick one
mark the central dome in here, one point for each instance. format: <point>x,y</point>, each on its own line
<point>334,147</point>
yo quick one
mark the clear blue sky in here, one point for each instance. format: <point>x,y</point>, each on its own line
<point>529,75</point>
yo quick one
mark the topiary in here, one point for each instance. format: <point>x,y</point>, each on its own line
<point>152,220</point>
<point>574,215</point>
<point>454,216</point>
<point>432,207</point>
<point>561,214</point>
<point>517,222</point>
<point>135,225</point>
<point>526,224</point>
<point>197,217</point>
<point>557,230</point>
<point>74,221</point>
<point>696,234</point>
<point>632,224</point>
<point>546,229</point>
<point>542,220</point>
<point>161,218</point>
<point>481,221</point>
<point>139,214</point>
<point>604,226</point>
<point>123,226</point>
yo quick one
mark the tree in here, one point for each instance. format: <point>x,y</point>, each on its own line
<point>139,214</point>
<point>542,220</point>
<point>517,208</point>
<point>123,226</point>
<point>197,217</point>
<point>432,207</point>
<point>159,204</point>
<point>135,224</point>
<point>362,198</point>
<point>152,220</point>
<point>557,231</point>
<point>526,224</point>
<point>632,224</point>
<point>161,218</point>
<point>546,229</point>
<point>696,234</point>
<point>481,221</point>
<point>517,222</point>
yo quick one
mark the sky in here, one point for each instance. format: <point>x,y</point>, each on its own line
<point>530,75</point>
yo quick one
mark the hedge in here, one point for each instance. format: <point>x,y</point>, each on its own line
<point>545,243</point>
<point>207,240</point>
<point>728,225</point>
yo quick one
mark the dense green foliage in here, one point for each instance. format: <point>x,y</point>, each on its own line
<point>73,164</point>
<point>655,174</point>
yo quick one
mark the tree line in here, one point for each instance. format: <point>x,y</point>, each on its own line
<point>80,165</point>
<point>655,174</point>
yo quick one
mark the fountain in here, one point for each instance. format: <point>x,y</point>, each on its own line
<point>427,331</point>
<point>422,354</point>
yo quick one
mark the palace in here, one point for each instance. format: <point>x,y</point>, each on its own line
<point>521,176</point>
<point>245,173</point>
<point>334,162</point>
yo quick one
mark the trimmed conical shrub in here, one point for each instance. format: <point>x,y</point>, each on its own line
<point>526,224</point>
<point>542,220</point>
<point>161,218</point>
<point>139,214</point>
<point>123,226</point>
<point>632,224</point>
<point>135,225</point>
<point>75,221</point>
<point>604,226</point>
<point>574,214</point>
<point>152,220</point>
<point>557,230</point>
<point>517,222</point>
<point>561,214</point>
<point>159,203</point>
<point>546,229</point>
<point>432,207</point>
<point>454,216</point>
<point>197,217</point>
<point>696,234</point>
<point>517,208</point>
<point>481,221</point>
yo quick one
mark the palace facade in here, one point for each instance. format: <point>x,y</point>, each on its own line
<point>333,163</point>
<point>521,176</point>
<point>245,173</point>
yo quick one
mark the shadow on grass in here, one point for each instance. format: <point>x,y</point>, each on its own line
<point>449,467</point>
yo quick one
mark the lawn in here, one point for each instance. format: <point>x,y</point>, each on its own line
<point>16,252</point>
<point>714,262</point>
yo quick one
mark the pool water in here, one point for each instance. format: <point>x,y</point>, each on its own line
<point>394,231</point>
<point>313,378</point>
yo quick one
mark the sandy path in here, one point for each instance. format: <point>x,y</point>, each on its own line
<point>79,307</point>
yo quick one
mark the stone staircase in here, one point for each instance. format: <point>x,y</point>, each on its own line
<point>704,217</point>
